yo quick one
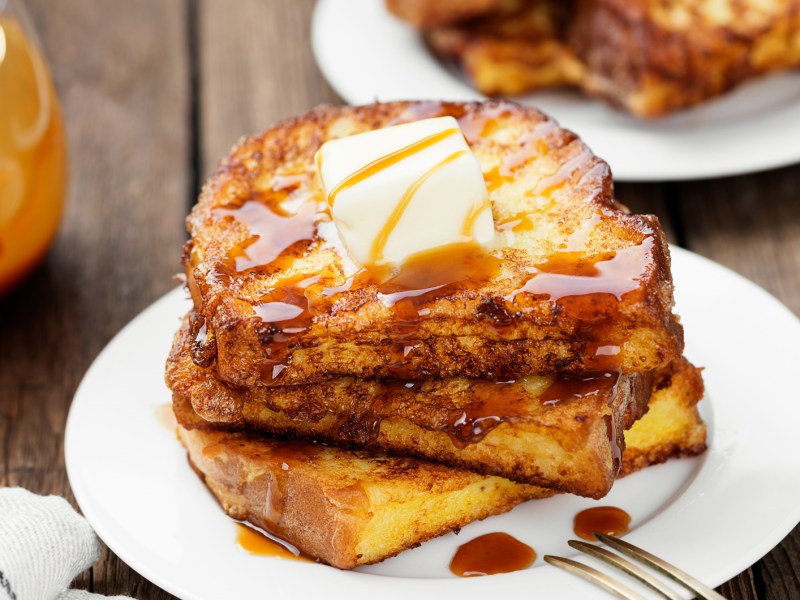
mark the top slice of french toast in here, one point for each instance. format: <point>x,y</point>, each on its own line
<point>573,282</point>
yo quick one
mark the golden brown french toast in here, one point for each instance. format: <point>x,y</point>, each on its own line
<point>574,283</point>
<point>653,57</point>
<point>377,505</point>
<point>647,56</point>
<point>672,426</point>
<point>513,50</point>
<point>381,505</point>
<point>560,432</point>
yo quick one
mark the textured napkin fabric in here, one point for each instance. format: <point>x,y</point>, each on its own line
<point>44,545</point>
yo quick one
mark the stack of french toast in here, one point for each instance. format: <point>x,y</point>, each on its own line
<point>355,416</point>
<point>650,57</point>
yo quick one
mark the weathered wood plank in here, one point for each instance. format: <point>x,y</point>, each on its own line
<point>750,224</point>
<point>121,71</point>
<point>256,67</point>
<point>779,571</point>
<point>741,587</point>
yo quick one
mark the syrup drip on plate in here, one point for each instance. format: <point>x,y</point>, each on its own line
<point>166,417</point>
<point>602,519</point>
<point>256,542</point>
<point>491,554</point>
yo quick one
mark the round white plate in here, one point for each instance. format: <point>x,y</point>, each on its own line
<point>367,54</point>
<point>713,515</point>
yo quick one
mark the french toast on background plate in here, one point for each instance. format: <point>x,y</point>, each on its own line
<point>647,56</point>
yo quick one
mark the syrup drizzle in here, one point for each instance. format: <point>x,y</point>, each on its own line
<point>492,403</point>
<point>602,519</point>
<point>588,289</point>
<point>166,417</point>
<point>379,244</point>
<point>568,274</point>
<point>379,164</point>
<point>488,404</point>
<point>563,173</point>
<point>204,346</point>
<point>285,312</point>
<point>272,232</point>
<point>491,554</point>
<point>570,387</point>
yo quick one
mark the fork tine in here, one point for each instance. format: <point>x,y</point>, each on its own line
<point>674,573</point>
<point>594,576</point>
<point>627,567</point>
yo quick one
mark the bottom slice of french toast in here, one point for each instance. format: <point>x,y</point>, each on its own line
<point>347,508</point>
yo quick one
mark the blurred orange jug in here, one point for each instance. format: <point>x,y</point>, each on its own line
<point>32,150</point>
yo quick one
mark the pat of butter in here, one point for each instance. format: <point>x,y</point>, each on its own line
<point>403,190</point>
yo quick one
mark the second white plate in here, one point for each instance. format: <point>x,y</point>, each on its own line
<point>366,54</point>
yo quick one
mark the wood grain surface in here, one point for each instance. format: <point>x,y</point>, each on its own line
<point>154,93</point>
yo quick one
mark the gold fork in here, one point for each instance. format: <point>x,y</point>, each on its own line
<point>620,590</point>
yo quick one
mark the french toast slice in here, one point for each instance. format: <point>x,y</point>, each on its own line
<point>655,57</point>
<point>381,505</point>
<point>646,56</point>
<point>559,432</point>
<point>512,50</point>
<point>302,492</point>
<point>573,284</point>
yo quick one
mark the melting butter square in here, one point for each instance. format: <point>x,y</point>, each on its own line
<point>402,190</point>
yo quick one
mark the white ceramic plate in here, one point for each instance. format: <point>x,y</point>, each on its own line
<point>714,515</point>
<point>367,54</point>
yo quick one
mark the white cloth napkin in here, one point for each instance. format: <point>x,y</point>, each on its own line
<point>44,545</point>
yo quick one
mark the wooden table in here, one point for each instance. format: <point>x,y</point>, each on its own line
<point>154,93</point>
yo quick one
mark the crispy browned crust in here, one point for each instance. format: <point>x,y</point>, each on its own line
<point>303,491</point>
<point>647,57</point>
<point>571,445</point>
<point>511,51</point>
<point>474,331</point>
<point>424,13</point>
